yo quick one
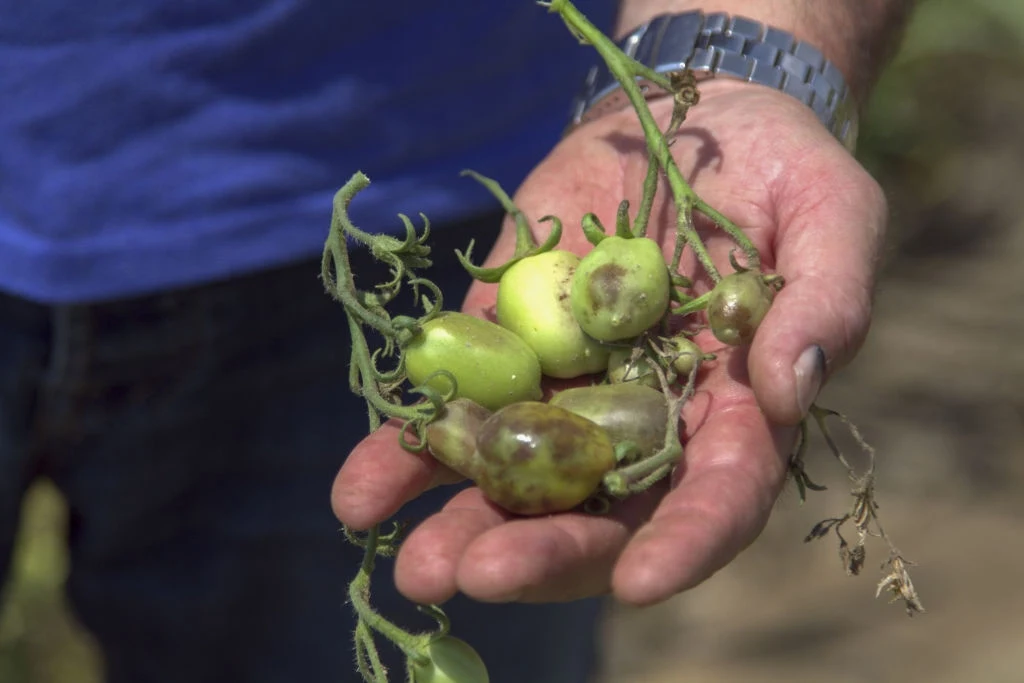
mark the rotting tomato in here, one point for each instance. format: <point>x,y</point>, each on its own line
<point>737,305</point>
<point>451,438</point>
<point>491,365</point>
<point>536,458</point>
<point>621,288</point>
<point>533,302</point>
<point>627,412</point>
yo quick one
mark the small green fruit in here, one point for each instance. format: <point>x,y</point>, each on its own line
<point>451,660</point>
<point>491,365</point>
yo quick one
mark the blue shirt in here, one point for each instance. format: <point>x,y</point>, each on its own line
<point>160,143</point>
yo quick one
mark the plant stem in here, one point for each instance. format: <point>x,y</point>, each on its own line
<point>626,71</point>
<point>359,595</point>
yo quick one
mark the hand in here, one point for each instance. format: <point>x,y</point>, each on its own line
<point>763,160</point>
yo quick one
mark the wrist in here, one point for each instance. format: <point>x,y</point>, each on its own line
<point>719,45</point>
<point>857,36</point>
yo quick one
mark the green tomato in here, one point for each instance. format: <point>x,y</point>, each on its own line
<point>533,302</point>
<point>491,365</point>
<point>536,458</point>
<point>685,354</point>
<point>627,412</point>
<point>621,288</point>
<point>451,660</point>
<point>623,370</point>
<point>737,305</point>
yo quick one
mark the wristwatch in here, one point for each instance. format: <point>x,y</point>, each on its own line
<point>719,45</point>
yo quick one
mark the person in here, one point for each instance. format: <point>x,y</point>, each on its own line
<point>169,359</point>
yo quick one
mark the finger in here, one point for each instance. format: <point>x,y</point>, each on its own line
<point>473,547</point>
<point>552,559</point>
<point>831,220</point>
<point>733,471</point>
<point>428,559</point>
<point>380,476</point>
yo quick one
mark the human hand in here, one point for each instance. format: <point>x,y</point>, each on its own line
<point>762,159</point>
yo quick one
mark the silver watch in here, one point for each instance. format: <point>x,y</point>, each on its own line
<point>720,45</point>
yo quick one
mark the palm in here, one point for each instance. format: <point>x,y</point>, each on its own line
<point>762,160</point>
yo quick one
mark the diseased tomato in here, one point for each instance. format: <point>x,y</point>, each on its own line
<point>737,305</point>
<point>533,302</point>
<point>491,365</point>
<point>451,438</point>
<point>627,412</point>
<point>621,288</point>
<point>536,458</point>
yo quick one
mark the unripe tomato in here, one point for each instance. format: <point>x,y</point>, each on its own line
<point>622,369</point>
<point>533,302</point>
<point>737,305</point>
<point>491,365</point>
<point>685,352</point>
<point>536,458</point>
<point>621,288</point>
<point>452,660</point>
<point>627,412</point>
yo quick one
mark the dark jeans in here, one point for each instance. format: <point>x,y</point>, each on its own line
<point>195,435</point>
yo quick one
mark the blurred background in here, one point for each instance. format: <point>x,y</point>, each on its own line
<point>938,390</point>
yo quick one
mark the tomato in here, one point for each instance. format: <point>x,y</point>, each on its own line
<point>737,305</point>
<point>451,660</point>
<point>621,288</point>
<point>627,412</point>
<point>451,438</point>
<point>685,354</point>
<point>533,302</point>
<point>491,365</point>
<point>622,369</point>
<point>536,458</point>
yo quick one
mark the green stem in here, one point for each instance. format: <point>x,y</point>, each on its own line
<point>751,252</point>
<point>643,213</point>
<point>410,644</point>
<point>338,280</point>
<point>369,389</point>
<point>693,305</point>
<point>626,70</point>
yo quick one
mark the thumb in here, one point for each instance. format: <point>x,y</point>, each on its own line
<point>832,218</point>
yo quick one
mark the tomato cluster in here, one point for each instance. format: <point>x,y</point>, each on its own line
<point>603,318</point>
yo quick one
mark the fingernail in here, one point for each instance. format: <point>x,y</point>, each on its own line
<point>809,370</point>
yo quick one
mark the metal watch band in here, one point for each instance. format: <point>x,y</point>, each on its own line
<point>720,45</point>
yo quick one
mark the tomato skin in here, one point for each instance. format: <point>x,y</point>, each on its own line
<point>491,365</point>
<point>627,412</point>
<point>533,302</point>
<point>737,305</point>
<point>621,288</point>
<point>536,458</point>
<point>451,660</point>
